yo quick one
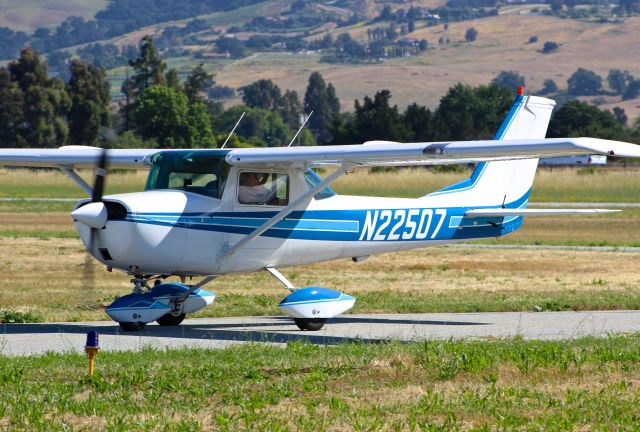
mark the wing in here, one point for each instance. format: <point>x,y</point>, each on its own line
<point>75,157</point>
<point>453,152</point>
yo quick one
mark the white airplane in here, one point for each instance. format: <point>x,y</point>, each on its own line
<point>211,213</point>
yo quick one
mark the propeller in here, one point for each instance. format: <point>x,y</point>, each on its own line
<point>94,215</point>
<point>98,208</point>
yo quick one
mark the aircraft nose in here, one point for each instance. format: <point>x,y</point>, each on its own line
<point>93,215</point>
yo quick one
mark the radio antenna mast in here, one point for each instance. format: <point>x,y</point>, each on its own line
<point>232,131</point>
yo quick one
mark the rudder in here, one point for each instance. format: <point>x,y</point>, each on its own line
<point>506,182</point>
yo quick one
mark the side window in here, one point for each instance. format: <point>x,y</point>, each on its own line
<point>262,188</point>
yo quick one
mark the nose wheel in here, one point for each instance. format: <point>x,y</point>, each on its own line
<point>170,319</point>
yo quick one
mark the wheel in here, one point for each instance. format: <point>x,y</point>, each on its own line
<point>310,324</point>
<point>171,320</point>
<point>132,326</point>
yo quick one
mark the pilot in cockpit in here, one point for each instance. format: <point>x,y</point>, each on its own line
<point>252,189</point>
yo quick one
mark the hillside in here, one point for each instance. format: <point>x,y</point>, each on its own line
<point>28,15</point>
<point>502,44</point>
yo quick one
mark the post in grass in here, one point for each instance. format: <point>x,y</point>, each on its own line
<point>91,349</point>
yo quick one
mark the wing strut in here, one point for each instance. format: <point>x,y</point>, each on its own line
<point>77,179</point>
<point>287,210</point>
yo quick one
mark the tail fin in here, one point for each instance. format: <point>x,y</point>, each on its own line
<point>506,183</point>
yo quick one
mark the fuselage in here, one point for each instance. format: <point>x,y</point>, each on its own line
<point>179,232</point>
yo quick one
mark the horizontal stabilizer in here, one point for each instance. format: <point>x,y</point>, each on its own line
<point>498,212</point>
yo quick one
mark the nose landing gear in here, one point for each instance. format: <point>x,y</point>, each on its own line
<point>165,303</point>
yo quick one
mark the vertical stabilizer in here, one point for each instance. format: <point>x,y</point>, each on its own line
<point>505,183</point>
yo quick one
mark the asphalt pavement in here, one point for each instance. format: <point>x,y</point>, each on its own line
<point>28,339</point>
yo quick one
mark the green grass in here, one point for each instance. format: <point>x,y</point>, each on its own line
<point>460,300</point>
<point>612,184</point>
<point>43,234</point>
<point>435,385</point>
<point>26,206</point>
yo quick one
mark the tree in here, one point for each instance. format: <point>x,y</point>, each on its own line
<point>260,127</point>
<point>165,115</point>
<point>620,115</point>
<point>263,94</point>
<point>375,119</point>
<point>291,108</point>
<point>550,47</point>
<point>509,79</point>
<point>88,89</point>
<point>556,5</point>
<point>418,119</point>
<point>198,83</point>
<point>584,82</point>
<point>549,86</point>
<point>45,102</point>
<point>149,67</point>
<point>386,14</point>
<point>578,119</point>
<point>533,39</point>
<point>172,80</point>
<point>630,6</point>
<point>148,70</point>
<point>468,113</point>
<point>423,45</point>
<point>619,80</point>
<point>633,90</point>
<point>324,103</point>
<point>11,109</point>
<point>471,34</point>
<point>411,26</point>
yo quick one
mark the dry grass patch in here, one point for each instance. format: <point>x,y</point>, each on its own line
<point>54,279</point>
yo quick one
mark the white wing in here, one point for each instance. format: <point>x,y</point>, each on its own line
<point>74,157</point>
<point>392,153</point>
<point>368,154</point>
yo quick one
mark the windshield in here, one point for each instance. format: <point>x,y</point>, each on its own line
<point>314,179</point>
<point>201,172</point>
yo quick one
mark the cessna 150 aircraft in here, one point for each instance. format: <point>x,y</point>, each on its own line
<point>217,212</point>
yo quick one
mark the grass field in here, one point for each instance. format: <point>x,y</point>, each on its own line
<point>587,384</point>
<point>44,262</point>
<point>611,184</point>
<point>53,280</point>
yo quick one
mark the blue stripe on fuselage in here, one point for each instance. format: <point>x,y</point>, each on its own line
<point>399,224</point>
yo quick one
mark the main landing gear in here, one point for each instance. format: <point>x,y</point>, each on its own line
<point>310,307</point>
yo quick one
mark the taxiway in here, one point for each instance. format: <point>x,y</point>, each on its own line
<point>28,339</point>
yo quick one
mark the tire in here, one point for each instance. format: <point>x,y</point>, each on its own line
<point>310,324</point>
<point>171,320</point>
<point>132,326</point>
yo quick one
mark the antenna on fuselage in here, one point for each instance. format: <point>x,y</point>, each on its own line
<point>232,131</point>
<point>300,130</point>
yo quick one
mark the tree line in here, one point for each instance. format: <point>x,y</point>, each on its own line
<point>119,17</point>
<point>160,110</point>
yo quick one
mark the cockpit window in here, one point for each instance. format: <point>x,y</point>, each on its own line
<point>314,179</point>
<point>200,172</point>
<point>263,188</point>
